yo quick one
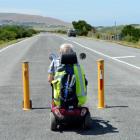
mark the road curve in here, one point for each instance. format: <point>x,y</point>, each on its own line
<point>119,121</point>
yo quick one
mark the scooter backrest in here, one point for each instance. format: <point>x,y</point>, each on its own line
<point>69,58</point>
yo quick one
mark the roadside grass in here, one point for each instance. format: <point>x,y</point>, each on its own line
<point>128,44</point>
<point>124,43</point>
<point>4,44</point>
<point>7,43</point>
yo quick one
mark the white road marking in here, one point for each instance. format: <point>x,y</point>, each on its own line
<point>100,53</point>
<point>3,49</point>
<point>9,46</point>
<point>120,57</point>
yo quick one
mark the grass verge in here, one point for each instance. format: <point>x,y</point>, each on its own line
<point>7,43</point>
<point>124,43</point>
<point>129,44</point>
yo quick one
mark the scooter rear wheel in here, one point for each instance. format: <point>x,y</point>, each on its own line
<point>87,122</point>
<point>53,123</point>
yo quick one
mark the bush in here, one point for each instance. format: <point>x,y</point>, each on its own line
<point>61,31</point>
<point>27,33</point>
<point>98,36</point>
<point>82,27</point>
<point>11,32</point>
<point>130,33</point>
<point>7,35</point>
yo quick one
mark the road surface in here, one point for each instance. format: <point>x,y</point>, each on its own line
<point>120,120</point>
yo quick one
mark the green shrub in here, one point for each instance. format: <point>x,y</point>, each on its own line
<point>11,32</point>
<point>61,31</point>
<point>82,27</point>
<point>130,33</point>
<point>98,36</point>
<point>7,35</point>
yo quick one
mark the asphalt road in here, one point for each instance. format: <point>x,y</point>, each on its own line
<point>120,120</point>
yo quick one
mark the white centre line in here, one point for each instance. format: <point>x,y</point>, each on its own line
<point>120,57</point>
<point>100,53</point>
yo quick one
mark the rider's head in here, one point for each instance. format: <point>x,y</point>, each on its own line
<point>66,48</point>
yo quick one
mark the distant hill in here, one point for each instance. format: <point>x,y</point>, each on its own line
<point>35,21</point>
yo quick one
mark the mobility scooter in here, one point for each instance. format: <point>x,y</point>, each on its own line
<point>69,113</point>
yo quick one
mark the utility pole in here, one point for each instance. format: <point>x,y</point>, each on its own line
<point>115,31</point>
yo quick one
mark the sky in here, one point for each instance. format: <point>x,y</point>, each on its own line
<point>95,12</point>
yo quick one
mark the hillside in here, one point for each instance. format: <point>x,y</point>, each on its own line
<point>32,20</point>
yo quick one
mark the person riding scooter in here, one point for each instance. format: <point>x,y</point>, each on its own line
<point>56,73</point>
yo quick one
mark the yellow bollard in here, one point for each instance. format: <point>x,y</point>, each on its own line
<point>27,104</point>
<point>100,63</point>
